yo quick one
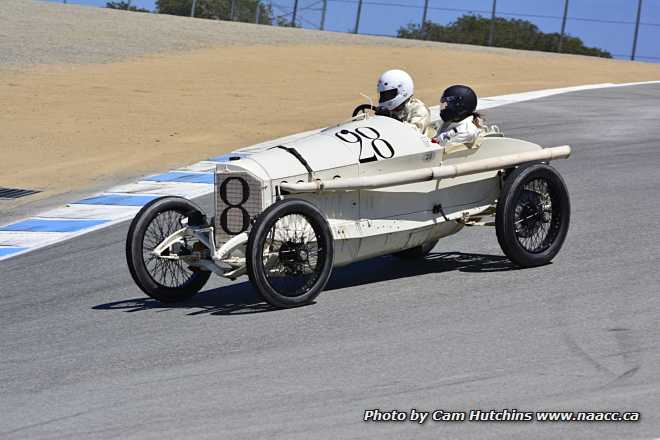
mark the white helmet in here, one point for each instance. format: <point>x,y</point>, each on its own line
<point>394,88</point>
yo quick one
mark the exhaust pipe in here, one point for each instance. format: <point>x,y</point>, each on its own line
<point>426,174</point>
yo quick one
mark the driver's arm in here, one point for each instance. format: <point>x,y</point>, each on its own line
<point>419,116</point>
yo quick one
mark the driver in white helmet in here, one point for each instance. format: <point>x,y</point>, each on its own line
<point>395,90</point>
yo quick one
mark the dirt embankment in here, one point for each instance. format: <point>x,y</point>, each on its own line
<point>70,126</point>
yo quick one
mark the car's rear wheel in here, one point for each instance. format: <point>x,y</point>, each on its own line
<point>533,215</point>
<point>290,253</point>
<point>165,279</point>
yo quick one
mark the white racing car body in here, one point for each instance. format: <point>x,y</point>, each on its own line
<point>368,187</point>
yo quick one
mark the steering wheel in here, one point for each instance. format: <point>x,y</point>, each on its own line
<point>362,108</point>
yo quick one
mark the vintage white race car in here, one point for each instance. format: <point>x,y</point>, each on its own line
<point>368,187</point>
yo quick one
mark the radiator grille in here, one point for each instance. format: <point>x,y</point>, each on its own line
<point>238,199</point>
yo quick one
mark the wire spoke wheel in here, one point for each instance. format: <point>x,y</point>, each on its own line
<point>164,277</point>
<point>167,272</point>
<point>290,253</point>
<point>536,223</point>
<point>533,215</point>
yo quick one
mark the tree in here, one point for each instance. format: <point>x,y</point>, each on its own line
<point>125,5</point>
<point>511,33</point>
<point>245,10</point>
<point>286,22</point>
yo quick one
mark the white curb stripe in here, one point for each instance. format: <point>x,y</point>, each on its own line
<point>14,243</point>
<point>188,190</point>
<point>30,239</point>
<point>93,211</point>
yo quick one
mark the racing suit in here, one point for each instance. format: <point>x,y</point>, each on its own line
<point>463,132</point>
<point>415,113</point>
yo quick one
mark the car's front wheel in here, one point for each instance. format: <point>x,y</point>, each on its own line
<point>290,253</point>
<point>165,278</point>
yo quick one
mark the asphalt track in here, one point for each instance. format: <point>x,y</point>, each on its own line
<point>84,355</point>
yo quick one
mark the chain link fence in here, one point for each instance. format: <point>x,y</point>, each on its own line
<point>619,26</point>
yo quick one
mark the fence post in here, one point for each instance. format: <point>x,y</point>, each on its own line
<point>424,14</point>
<point>295,13</point>
<point>639,14</point>
<point>492,24</point>
<point>192,9</point>
<point>563,27</point>
<point>357,17</point>
<point>232,10</point>
<point>257,12</point>
<point>323,11</point>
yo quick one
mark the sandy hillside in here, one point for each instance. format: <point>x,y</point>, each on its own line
<point>83,121</point>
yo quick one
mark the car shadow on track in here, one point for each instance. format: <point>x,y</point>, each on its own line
<point>241,298</point>
<point>392,268</point>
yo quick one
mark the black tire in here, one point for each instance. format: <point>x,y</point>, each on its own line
<point>417,252</point>
<point>185,281</point>
<point>533,215</point>
<point>305,261</point>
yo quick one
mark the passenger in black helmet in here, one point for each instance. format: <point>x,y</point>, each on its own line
<point>460,123</point>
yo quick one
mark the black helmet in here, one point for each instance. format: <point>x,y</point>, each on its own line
<point>457,103</point>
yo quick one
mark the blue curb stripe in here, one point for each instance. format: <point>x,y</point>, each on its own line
<point>117,199</point>
<point>225,157</point>
<point>54,225</point>
<point>8,250</point>
<point>182,177</point>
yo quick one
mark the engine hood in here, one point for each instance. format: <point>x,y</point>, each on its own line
<point>346,144</point>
